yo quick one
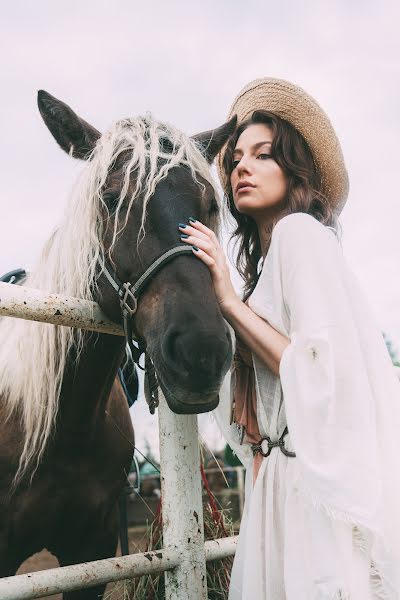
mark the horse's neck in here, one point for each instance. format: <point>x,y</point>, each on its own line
<point>87,383</point>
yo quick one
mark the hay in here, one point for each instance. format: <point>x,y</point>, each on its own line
<point>217,524</point>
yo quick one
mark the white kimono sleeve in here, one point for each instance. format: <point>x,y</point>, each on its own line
<point>328,400</point>
<point>341,394</point>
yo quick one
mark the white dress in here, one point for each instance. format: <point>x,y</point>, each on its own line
<point>324,525</point>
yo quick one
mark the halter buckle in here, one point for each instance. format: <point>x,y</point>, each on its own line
<point>126,293</point>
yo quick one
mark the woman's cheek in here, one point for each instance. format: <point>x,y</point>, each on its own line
<point>233,181</point>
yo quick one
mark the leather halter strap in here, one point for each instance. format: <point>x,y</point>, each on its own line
<point>134,290</point>
<point>129,295</point>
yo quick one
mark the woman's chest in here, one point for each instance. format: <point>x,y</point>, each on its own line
<point>267,299</point>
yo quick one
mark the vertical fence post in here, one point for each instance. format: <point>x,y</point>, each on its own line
<point>182,508</point>
<point>240,485</point>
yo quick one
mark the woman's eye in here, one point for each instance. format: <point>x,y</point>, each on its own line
<point>235,164</point>
<point>264,156</point>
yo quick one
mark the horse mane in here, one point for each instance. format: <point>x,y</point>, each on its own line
<point>33,355</point>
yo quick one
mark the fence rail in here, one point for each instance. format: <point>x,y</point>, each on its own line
<point>85,575</point>
<point>36,305</point>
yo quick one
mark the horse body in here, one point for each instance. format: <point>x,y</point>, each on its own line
<point>71,505</point>
<point>66,437</point>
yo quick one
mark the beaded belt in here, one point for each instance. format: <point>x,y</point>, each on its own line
<point>257,448</point>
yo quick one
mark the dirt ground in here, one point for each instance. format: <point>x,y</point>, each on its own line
<point>45,560</point>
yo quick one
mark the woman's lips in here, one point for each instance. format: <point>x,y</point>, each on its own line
<point>245,188</point>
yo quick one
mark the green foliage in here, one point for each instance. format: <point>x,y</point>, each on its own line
<point>392,350</point>
<point>230,458</point>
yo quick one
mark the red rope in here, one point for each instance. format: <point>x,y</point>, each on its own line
<point>216,513</point>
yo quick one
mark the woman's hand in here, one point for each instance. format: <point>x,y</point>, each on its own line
<point>254,331</point>
<point>208,249</point>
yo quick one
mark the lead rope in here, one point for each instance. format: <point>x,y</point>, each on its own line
<point>150,384</point>
<point>135,351</point>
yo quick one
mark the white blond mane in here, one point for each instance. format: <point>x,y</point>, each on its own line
<point>33,355</point>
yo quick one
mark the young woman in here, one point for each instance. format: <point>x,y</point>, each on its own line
<point>315,411</point>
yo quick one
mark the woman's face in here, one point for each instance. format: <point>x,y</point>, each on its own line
<point>258,183</point>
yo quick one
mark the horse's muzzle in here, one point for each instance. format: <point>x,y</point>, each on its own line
<point>184,403</point>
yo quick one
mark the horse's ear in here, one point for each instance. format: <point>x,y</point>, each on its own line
<point>212,141</point>
<point>72,133</point>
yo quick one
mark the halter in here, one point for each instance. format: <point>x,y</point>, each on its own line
<point>129,295</point>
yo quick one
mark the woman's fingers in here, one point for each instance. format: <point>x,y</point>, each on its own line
<point>206,258</point>
<point>197,228</point>
<point>203,244</point>
<point>208,249</point>
<point>189,230</point>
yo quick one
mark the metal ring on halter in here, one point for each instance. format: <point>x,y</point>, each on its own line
<point>128,294</point>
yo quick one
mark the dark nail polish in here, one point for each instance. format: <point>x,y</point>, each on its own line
<point>192,219</point>
<point>195,248</point>
<point>183,225</point>
<point>184,236</point>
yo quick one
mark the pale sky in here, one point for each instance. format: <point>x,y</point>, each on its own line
<point>186,61</point>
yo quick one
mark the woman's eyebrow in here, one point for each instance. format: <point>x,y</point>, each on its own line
<point>254,147</point>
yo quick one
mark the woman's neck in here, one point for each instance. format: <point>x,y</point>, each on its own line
<point>264,225</point>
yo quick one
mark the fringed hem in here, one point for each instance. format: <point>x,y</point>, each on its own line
<point>365,539</point>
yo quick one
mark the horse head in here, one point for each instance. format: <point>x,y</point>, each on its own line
<point>144,178</point>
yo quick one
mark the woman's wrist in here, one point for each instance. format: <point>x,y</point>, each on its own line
<point>230,307</point>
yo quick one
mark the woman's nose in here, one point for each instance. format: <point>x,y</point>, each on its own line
<point>243,166</point>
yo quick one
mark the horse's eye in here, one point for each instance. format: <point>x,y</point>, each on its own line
<point>110,199</point>
<point>166,145</point>
<point>214,208</point>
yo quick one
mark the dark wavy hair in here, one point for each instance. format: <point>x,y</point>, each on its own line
<point>292,154</point>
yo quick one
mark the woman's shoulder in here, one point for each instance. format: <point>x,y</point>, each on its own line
<point>300,229</point>
<point>297,220</point>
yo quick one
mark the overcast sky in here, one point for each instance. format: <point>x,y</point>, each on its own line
<point>186,61</point>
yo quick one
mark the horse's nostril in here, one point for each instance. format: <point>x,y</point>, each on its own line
<point>171,345</point>
<point>195,353</point>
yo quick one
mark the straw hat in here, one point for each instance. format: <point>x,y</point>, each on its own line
<point>291,103</point>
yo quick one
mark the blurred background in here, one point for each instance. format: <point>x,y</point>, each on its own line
<point>185,62</point>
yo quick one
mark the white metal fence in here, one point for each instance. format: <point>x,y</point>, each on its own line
<point>185,553</point>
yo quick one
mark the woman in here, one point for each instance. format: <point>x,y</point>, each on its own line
<point>315,400</point>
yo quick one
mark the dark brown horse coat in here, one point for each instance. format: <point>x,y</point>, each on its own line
<point>71,505</point>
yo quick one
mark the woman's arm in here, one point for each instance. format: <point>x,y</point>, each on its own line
<point>258,334</point>
<point>260,337</point>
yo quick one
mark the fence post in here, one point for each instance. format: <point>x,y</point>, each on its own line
<point>240,484</point>
<point>182,508</point>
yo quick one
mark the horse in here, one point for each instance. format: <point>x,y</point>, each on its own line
<point>66,436</point>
